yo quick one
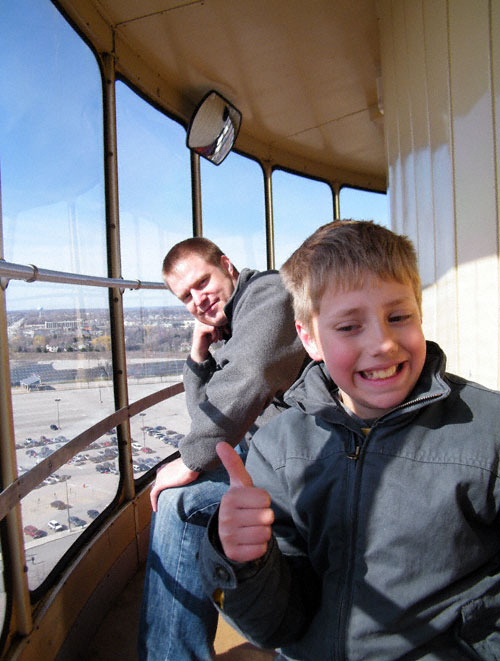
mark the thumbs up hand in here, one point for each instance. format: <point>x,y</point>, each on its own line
<point>245,516</point>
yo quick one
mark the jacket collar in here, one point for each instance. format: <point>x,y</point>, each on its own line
<point>244,276</point>
<point>315,391</point>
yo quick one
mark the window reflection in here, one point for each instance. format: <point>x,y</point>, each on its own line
<point>300,206</point>
<point>233,196</point>
<point>66,502</point>
<point>360,204</point>
<point>3,594</point>
<point>156,432</point>
<point>155,188</point>
<point>61,384</point>
<point>51,143</point>
<point>157,341</point>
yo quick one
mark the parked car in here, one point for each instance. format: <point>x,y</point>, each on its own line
<point>55,525</point>
<point>93,514</point>
<point>174,440</point>
<point>136,445</point>
<point>58,505</point>
<point>54,427</point>
<point>30,530</point>
<point>147,450</point>
<point>39,533</point>
<point>76,521</point>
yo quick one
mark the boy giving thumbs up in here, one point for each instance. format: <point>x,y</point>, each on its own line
<point>245,515</point>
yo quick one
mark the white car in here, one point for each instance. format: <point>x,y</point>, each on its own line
<point>136,446</point>
<point>55,525</point>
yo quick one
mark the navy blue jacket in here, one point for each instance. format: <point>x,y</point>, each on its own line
<point>387,540</point>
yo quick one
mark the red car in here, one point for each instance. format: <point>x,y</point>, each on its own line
<point>30,530</point>
<point>39,533</point>
<point>147,450</point>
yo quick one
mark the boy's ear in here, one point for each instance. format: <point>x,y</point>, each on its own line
<point>307,339</point>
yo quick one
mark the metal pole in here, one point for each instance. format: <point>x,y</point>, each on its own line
<point>336,200</point>
<point>114,271</point>
<point>268,196</point>
<point>67,503</point>
<point>196,194</point>
<point>15,555</point>
<point>57,400</point>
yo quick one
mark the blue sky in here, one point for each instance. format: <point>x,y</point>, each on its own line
<point>52,177</point>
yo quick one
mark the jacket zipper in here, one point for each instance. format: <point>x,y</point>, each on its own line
<point>357,449</point>
<point>357,446</point>
<point>419,400</point>
<point>354,476</point>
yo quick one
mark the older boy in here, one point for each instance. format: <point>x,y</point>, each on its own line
<point>383,478</point>
<point>228,395</point>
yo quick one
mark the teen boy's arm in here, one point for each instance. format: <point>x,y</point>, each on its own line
<point>270,597</point>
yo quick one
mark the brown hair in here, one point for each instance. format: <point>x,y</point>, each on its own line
<point>197,245</point>
<point>339,254</point>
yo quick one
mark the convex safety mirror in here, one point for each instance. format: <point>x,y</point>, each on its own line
<point>213,128</point>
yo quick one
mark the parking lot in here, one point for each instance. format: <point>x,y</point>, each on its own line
<point>88,483</point>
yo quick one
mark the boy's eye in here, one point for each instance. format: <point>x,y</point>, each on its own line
<point>348,328</point>
<point>396,318</point>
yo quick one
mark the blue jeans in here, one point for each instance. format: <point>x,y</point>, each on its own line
<point>178,622</point>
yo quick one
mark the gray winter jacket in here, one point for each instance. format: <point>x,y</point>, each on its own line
<point>387,540</point>
<point>230,394</point>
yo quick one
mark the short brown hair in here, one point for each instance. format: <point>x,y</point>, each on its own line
<point>339,254</point>
<point>197,245</point>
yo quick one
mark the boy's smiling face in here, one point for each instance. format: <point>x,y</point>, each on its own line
<point>371,341</point>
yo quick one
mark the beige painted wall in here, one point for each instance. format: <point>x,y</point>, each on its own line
<point>441,86</point>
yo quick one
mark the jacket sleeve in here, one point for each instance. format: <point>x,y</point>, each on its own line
<point>270,601</point>
<point>196,376</point>
<point>261,359</point>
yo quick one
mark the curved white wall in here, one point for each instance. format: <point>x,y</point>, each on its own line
<point>441,82</point>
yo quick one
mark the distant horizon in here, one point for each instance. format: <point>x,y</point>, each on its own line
<point>89,309</point>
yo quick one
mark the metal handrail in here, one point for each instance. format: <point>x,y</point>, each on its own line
<point>31,273</point>
<point>21,487</point>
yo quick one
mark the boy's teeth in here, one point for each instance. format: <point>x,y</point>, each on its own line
<point>381,374</point>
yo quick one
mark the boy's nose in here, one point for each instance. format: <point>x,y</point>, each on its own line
<point>382,341</point>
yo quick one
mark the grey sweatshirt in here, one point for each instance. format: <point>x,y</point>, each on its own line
<point>240,388</point>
